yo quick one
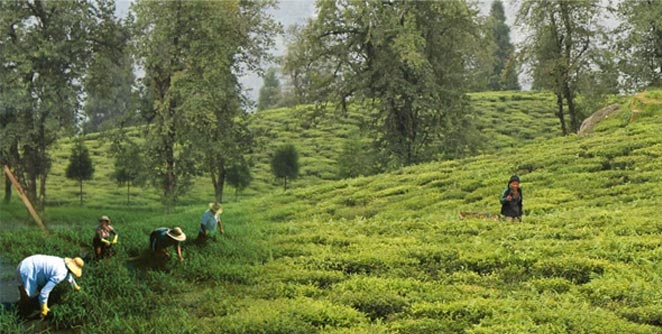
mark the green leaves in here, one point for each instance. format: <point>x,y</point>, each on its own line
<point>285,163</point>
<point>192,53</point>
<point>406,57</point>
<point>46,48</point>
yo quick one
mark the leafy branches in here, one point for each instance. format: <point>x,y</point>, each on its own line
<point>407,57</point>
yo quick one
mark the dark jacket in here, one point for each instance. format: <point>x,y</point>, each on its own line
<point>514,208</point>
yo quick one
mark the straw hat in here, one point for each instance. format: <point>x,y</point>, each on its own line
<point>216,207</point>
<point>75,265</point>
<point>104,218</point>
<point>177,234</point>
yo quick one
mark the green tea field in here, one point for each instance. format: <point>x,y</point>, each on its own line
<point>386,253</point>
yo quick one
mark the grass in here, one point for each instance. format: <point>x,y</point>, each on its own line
<point>387,253</point>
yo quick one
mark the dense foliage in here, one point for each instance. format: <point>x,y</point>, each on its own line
<point>80,166</point>
<point>193,53</point>
<point>639,44</point>
<point>407,57</point>
<point>285,163</point>
<point>505,69</point>
<point>45,47</point>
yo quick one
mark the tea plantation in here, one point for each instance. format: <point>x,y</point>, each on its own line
<point>385,253</point>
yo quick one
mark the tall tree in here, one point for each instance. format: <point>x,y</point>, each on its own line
<point>239,176</point>
<point>270,93</point>
<point>45,47</point>
<point>80,166</point>
<point>564,37</point>
<point>285,163</point>
<point>192,53</point>
<point>110,79</point>
<point>407,57</point>
<point>308,78</point>
<point>9,154</point>
<point>129,168</point>
<point>505,70</point>
<point>640,43</point>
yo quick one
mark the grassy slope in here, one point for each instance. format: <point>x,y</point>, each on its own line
<point>318,134</point>
<point>506,119</point>
<point>387,254</point>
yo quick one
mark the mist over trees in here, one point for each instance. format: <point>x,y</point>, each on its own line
<point>270,93</point>
<point>505,69</point>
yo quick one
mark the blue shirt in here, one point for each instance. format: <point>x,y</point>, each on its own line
<point>43,271</point>
<point>159,239</point>
<point>209,222</point>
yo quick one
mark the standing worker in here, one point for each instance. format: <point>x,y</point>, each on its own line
<point>45,272</point>
<point>104,239</point>
<point>511,200</point>
<point>162,238</point>
<point>210,219</point>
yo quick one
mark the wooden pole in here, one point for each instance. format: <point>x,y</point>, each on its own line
<point>25,199</point>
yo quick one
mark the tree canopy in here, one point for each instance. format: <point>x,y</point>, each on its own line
<point>192,53</point>
<point>45,47</point>
<point>505,69</point>
<point>408,57</point>
<point>562,48</point>
<point>285,163</point>
<point>80,166</point>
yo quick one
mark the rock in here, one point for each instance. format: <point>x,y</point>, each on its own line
<point>589,123</point>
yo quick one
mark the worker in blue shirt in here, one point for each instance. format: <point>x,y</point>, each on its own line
<point>211,219</point>
<point>41,273</point>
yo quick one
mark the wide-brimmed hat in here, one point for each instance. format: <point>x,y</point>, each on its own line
<point>216,207</point>
<point>75,265</point>
<point>104,218</point>
<point>177,234</point>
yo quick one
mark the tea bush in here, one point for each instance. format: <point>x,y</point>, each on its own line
<point>380,254</point>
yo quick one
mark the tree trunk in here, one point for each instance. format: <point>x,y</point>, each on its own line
<point>29,178</point>
<point>170,177</point>
<point>559,103</point>
<point>42,192</point>
<point>7,189</point>
<point>221,184</point>
<point>218,174</point>
<point>568,46</point>
<point>285,183</point>
<point>572,113</point>
<point>80,182</point>
<point>128,192</point>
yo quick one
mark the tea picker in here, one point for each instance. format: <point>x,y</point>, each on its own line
<point>211,223</point>
<point>37,275</point>
<point>162,238</point>
<point>104,238</point>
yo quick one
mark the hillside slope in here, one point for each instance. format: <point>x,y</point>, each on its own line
<point>388,254</point>
<point>585,260</point>
<point>506,118</point>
